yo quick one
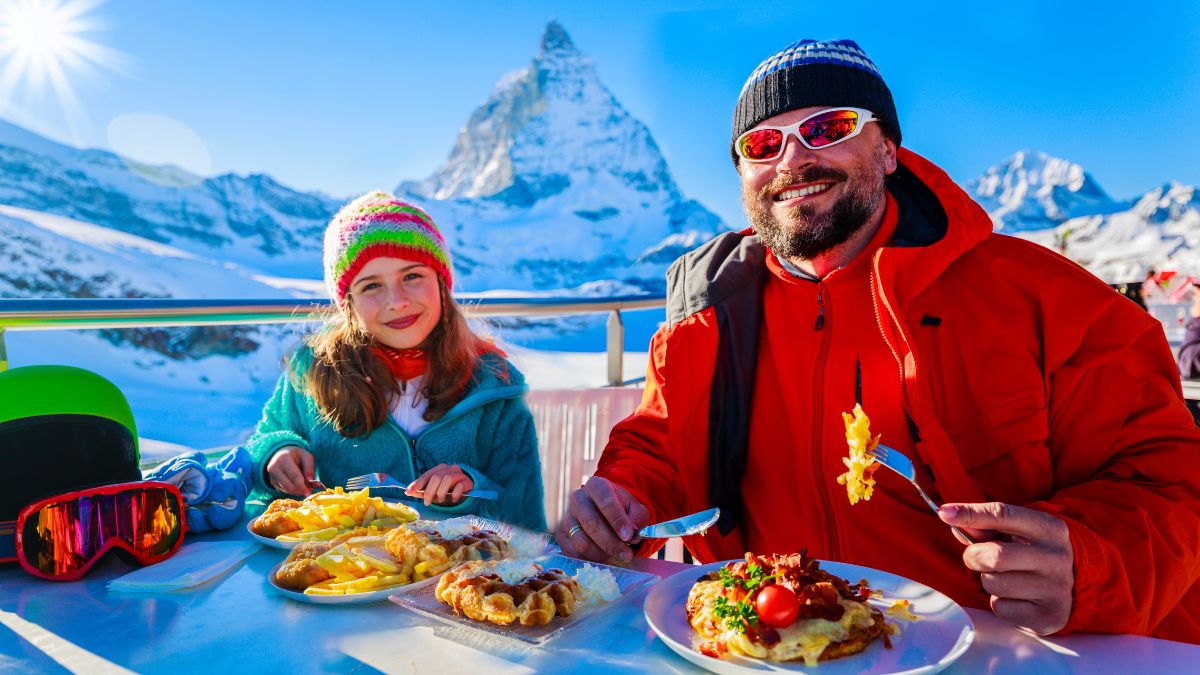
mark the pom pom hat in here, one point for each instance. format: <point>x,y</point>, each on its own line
<point>379,225</point>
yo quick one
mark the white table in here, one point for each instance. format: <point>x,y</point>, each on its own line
<point>237,623</point>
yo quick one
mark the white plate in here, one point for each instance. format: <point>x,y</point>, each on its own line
<point>348,599</point>
<point>421,599</point>
<point>927,646</point>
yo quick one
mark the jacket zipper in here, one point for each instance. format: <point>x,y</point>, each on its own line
<point>818,428</point>
<point>877,297</point>
<point>455,412</point>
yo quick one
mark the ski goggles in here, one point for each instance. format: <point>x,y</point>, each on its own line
<point>61,537</point>
<point>818,131</point>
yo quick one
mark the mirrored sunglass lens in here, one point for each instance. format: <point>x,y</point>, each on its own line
<point>828,128</point>
<point>64,537</point>
<point>761,144</point>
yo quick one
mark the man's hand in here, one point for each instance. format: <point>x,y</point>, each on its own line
<point>601,523</point>
<point>1029,570</point>
<point>289,469</point>
<point>444,484</point>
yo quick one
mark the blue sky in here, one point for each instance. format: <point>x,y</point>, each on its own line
<point>346,97</point>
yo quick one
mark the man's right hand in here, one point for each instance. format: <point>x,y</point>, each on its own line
<point>601,523</point>
<point>289,468</point>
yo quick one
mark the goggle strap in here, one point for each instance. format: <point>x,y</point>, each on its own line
<point>8,541</point>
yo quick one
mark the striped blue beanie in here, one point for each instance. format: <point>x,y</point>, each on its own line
<point>812,73</point>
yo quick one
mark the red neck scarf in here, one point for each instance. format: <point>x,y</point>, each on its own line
<point>405,364</point>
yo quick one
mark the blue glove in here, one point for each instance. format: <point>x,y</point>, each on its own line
<point>216,494</point>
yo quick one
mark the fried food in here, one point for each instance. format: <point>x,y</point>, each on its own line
<point>298,575</point>
<point>860,462</point>
<point>363,559</point>
<point>329,513</point>
<point>484,596</point>
<point>301,569</point>
<point>275,520</point>
<point>832,618</point>
<point>427,553</point>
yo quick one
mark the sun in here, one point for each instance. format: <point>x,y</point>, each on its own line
<point>42,44</point>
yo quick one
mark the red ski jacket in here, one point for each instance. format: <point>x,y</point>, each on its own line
<point>1023,378</point>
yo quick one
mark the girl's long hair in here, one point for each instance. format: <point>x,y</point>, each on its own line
<point>353,388</point>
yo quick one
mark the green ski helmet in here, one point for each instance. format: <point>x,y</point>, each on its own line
<point>61,428</point>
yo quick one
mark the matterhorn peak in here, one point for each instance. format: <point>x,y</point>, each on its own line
<point>555,39</point>
<point>546,128</point>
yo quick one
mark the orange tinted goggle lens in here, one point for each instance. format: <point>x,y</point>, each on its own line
<point>816,132</point>
<point>64,537</point>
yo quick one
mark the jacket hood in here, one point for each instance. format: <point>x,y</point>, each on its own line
<point>938,222</point>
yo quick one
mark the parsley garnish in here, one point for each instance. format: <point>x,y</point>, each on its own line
<point>737,615</point>
<point>755,577</point>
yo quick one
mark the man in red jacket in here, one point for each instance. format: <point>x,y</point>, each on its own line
<point>1042,409</point>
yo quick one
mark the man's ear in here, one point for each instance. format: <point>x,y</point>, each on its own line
<point>889,155</point>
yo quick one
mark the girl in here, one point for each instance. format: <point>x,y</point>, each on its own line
<point>398,383</point>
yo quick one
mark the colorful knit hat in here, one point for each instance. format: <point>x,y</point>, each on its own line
<point>810,73</point>
<point>377,224</point>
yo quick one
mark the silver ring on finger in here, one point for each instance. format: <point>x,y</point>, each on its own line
<point>575,529</point>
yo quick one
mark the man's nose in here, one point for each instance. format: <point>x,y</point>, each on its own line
<point>794,156</point>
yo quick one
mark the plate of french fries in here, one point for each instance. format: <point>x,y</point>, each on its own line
<point>355,571</point>
<point>325,515</point>
<point>365,565</point>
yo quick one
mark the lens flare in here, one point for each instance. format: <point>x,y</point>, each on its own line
<point>41,45</point>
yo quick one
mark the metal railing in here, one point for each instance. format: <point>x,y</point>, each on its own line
<point>66,313</point>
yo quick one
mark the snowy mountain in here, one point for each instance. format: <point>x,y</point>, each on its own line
<point>1056,203</point>
<point>249,220</point>
<point>1033,191</point>
<point>1160,231</point>
<point>553,151</point>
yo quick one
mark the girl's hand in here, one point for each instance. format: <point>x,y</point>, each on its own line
<point>289,469</point>
<point>444,484</point>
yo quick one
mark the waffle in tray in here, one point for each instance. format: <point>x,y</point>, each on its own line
<point>473,591</point>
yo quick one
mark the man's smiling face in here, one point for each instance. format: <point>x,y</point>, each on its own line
<point>807,202</point>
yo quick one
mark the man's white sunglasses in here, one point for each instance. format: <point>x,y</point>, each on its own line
<point>818,131</point>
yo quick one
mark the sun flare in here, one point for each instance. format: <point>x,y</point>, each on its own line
<point>42,43</point>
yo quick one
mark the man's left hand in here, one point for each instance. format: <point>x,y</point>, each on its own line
<point>1029,570</point>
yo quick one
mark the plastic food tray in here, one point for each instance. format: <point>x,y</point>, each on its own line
<point>421,600</point>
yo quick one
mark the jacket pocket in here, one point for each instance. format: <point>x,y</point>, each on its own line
<point>1005,450</point>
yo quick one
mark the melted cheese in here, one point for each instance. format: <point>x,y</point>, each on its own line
<point>804,639</point>
<point>900,610</point>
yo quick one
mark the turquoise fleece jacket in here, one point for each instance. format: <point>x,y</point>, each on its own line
<point>490,434</point>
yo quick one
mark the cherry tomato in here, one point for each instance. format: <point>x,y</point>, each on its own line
<point>776,606</point>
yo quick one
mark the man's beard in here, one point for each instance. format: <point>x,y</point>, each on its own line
<point>811,233</point>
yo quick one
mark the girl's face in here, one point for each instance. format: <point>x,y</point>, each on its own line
<point>397,301</point>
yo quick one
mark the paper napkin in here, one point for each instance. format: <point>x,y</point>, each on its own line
<point>194,564</point>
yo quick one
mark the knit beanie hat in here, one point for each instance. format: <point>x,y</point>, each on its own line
<point>374,225</point>
<point>812,73</point>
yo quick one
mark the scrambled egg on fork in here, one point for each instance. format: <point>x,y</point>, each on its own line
<point>858,477</point>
